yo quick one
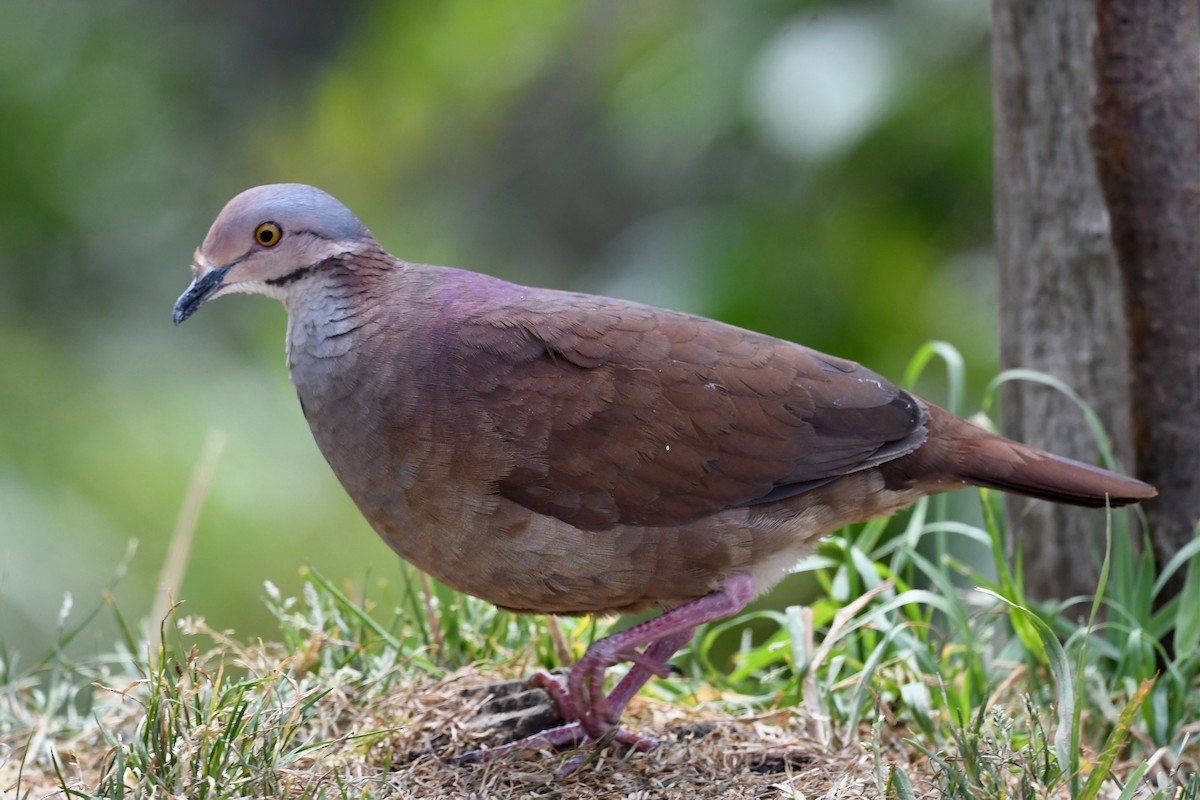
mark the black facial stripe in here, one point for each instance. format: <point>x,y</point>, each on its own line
<point>297,274</point>
<point>294,275</point>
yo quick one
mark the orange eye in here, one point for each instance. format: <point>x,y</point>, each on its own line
<point>268,234</point>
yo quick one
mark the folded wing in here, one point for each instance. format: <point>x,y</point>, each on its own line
<point>619,413</point>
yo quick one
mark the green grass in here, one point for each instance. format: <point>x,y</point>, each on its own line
<point>923,639</point>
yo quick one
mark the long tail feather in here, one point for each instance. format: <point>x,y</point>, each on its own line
<point>971,455</point>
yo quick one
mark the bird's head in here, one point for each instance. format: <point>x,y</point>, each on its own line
<point>265,239</point>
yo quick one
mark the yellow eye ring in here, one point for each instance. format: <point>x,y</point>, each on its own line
<point>268,234</point>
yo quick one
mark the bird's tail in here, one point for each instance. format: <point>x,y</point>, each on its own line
<point>990,461</point>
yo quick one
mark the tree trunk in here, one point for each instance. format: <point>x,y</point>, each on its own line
<point>1147,144</point>
<point>1062,309</point>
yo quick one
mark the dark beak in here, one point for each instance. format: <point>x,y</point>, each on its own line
<point>201,289</point>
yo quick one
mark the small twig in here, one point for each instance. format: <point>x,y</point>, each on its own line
<point>561,651</point>
<point>431,617</point>
<point>178,552</point>
<point>1016,674</point>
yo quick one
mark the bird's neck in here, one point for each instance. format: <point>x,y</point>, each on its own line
<point>328,322</point>
<point>318,315</point>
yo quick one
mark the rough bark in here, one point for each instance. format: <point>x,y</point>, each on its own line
<point>1061,304</point>
<point>1147,144</point>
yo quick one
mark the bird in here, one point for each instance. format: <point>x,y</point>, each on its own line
<point>563,453</point>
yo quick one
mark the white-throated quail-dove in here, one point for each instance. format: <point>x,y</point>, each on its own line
<point>565,453</point>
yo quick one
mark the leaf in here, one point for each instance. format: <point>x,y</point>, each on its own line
<point>1116,741</point>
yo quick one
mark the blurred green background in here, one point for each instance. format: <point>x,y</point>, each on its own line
<point>816,170</point>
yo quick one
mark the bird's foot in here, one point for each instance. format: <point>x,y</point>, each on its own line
<point>594,723</point>
<point>593,716</point>
<point>583,698</point>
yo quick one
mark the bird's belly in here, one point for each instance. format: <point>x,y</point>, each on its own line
<point>519,560</point>
<point>500,551</point>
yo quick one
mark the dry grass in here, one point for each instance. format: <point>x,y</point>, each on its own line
<point>270,720</point>
<point>702,754</point>
<point>402,744</point>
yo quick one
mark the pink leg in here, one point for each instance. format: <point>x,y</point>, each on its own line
<point>659,652</point>
<point>601,716</point>
<point>652,662</point>
<point>589,713</point>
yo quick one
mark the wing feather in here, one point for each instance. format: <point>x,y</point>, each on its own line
<point>620,413</point>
